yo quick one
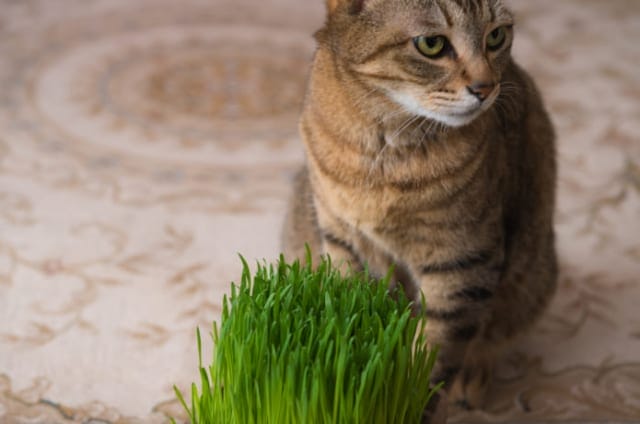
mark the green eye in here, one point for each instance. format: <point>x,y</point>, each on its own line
<point>431,47</point>
<point>496,38</point>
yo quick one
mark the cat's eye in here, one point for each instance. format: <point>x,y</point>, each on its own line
<point>432,47</point>
<point>496,38</point>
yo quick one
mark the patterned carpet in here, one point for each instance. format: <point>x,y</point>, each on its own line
<point>144,143</point>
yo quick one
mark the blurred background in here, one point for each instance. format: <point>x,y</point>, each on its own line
<point>145,143</point>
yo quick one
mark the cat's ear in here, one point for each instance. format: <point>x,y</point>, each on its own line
<point>353,6</point>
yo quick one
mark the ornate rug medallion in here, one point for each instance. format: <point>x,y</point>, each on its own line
<point>166,95</point>
<point>192,94</point>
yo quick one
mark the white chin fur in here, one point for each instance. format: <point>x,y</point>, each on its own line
<point>449,119</point>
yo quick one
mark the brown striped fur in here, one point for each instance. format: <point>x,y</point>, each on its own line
<point>462,206</point>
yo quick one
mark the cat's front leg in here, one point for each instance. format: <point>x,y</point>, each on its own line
<point>338,247</point>
<point>470,387</point>
<point>338,240</point>
<point>458,295</point>
<point>350,250</point>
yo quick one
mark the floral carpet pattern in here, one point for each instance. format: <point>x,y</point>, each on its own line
<point>144,143</point>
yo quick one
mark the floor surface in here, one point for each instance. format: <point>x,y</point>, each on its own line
<point>144,143</point>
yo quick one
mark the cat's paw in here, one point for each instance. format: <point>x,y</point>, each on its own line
<point>470,387</point>
<point>437,411</point>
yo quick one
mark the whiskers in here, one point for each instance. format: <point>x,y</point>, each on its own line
<point>390,140</point>
<point>412,141</point>
<point>507,103</point>
<point>433,129</point>
<point>403,131</point>
<point>393,137</point>
<point>361,103</point>
<point>377,163</point>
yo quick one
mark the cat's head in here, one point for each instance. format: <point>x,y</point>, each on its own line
<point>440,59</point>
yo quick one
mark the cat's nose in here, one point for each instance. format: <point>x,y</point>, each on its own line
<point>481,90</point>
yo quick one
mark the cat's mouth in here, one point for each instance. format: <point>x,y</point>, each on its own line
<point>464,111</point>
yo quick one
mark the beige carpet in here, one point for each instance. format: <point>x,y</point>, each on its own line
<point>143,143</point>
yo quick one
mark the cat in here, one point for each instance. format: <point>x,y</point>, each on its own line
<point>428,148</point>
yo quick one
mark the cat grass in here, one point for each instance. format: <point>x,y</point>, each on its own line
<point>303,344</point>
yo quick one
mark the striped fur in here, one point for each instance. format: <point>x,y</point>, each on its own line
<point>462,207</point>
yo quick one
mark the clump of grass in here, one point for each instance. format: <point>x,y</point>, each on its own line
<point>298,344</point>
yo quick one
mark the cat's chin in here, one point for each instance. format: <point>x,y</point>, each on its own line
<point>454,120</point>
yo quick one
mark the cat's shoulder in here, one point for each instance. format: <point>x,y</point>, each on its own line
<point>516,74</point>
<point>520,95</point>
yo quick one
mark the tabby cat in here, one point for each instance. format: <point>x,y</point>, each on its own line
<point>428,148</point>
